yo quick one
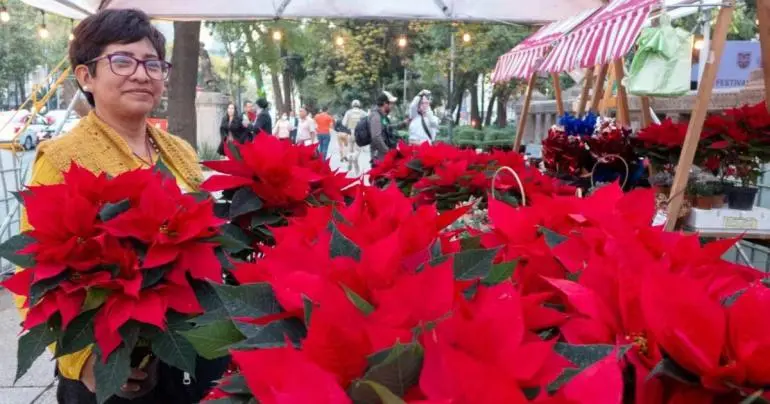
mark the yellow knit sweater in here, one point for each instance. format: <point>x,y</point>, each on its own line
<point>92,144</point>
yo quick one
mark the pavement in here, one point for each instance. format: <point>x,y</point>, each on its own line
<point>38,386</point>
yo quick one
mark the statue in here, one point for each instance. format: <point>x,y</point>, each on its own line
<point>207,78</point>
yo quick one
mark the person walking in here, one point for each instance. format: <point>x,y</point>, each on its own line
<point>424,125</point>
<point>351,119</point>
<point>294,123</point>
<point>306,132</point>
<point>264,122</point>
<point>119,61</point>
<point>282,128</point>
<point>381,130</point>
<point>324,123</point>
<point>231,129</point>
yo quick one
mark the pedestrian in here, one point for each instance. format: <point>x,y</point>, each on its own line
<point>306,132</point>
<point>351,119</point>
<point>382,132</point>
<point>282,128</point>
<point>294,123</point>
<point>424,125</point>
<point>231,129</point>
<point>264,122</point>
<point>249,118</point>
<point>324,123</point>
<point>119,61</point>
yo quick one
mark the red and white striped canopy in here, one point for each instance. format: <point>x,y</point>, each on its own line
<point>521,61</point>
<point>607,35</point>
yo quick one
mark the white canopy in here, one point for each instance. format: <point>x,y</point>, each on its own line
<point>519,11</point>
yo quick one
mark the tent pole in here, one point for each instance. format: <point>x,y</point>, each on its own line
<point>598,91</point>
<point>699,113</point>
<point>763,15</point>
<point>646,112</point>
<point>524,112</point>
<point>586,88</point>
<point>452,51</point>
<point>557,93</point>
<point>622,103</point>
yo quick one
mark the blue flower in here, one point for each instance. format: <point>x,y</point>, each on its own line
<point>575,126</point>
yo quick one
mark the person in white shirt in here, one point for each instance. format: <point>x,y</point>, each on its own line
<point>351,153</point>
<point>305,128</point>
<point>283,128</point>
<point>423,125</point>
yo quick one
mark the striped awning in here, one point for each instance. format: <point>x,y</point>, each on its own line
<point>607,35</point>
<point>521,61</point>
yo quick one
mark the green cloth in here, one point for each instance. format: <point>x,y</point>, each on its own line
<point>663,62</point>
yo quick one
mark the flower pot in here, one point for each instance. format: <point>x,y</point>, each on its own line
<point>704,202</point>
<point>718,201</point>
<point>741,198</point>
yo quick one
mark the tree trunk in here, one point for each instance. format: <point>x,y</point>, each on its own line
<point>475,115</point>
<point>502,110</point>
<point>287,102</point>
<point>277,93</point>
<point>183,81</point>
<point>490,108</point>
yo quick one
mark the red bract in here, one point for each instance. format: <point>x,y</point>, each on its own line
<point>281,174</point>
<point>284,375</point>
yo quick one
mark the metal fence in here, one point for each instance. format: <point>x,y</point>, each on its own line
<point>14,170</point>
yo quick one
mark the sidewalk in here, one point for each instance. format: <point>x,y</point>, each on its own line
<point>37,386</point>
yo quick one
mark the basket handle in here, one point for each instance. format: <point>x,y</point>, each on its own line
<point>515,176</point>
<point>606,159</point>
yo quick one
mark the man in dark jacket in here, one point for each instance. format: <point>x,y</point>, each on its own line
<point>264,122</point>
<point>382,131</point>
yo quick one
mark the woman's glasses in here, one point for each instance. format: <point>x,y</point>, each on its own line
<point>125,65</point>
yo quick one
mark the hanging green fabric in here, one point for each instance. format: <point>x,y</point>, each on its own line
<point>663,62</point>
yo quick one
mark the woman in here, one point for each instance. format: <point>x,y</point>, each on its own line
<point>119,63</point>
<point>306,133</point>
<point>231,128</point>
<point>282,128</point>
<point>423,125</point>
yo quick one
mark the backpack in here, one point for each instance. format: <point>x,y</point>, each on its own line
<point>363,133</point>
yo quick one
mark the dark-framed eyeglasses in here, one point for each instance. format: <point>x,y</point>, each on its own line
<point>126,65</point>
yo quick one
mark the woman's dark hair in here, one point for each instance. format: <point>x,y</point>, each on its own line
<point>262,103</point>
<point>236,114</point>
<point>122,26</point>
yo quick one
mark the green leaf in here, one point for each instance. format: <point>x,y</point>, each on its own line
<point>435,250</point>
<point>668,368</point>
<point>201,196</point>
<point>470,243</point>
<point>212,341</point>
<point>153,276</point>
<point>223,259</point>
<point>308,306</point>
<point>730,300</point>
<point>552,238</point>
<point>11,247</point>
<point>397,372</point>
<point>564,378</point>
<point>415,165</point>
<point>385,396</point>
<point>500,273</point>
<point>250,301</point>
<point>112,210</point>
<point>342,246</point>
<point>79,334</point>
<point>245,201</point>
<point>266,219</point>
<point>111,376</point>
<point>272,335</point>
<point>31,345</point>
<point>173,349</point>
<point>235,384</point>
<point>161,167</point>
<point>40,288</point>
<point>358,301</point>
<point>583,356</point>
<point>95,297</point>
<point>471,264</point>
<point>233,239</point>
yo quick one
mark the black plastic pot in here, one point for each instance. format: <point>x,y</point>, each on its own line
<point>741,198</point>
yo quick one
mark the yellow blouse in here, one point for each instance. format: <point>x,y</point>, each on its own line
<point>97,147</point>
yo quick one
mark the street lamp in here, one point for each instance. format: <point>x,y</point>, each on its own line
<point>277,36</point>
<point>4,15</point>
<point>402,42</point>
<point>340,41</point>
<point>42,30</point>
<point>466,37</point>
<point>72,29</point>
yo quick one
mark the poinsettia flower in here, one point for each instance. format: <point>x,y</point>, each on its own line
<point>749,341</point>
<point>68,305</point>
<point>600,383</point>
<point>285,375</point>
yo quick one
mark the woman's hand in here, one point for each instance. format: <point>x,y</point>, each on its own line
<point>88,378</point>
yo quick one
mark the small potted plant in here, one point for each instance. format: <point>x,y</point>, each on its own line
<point>662,180</point>
<point>703,192</point>
<point>718,199</point>
<point>741,197</point>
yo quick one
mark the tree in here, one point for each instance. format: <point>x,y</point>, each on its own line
<point>183,81</point>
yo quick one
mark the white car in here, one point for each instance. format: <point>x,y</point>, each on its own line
<point>54,119</point>
<point>11,123</point>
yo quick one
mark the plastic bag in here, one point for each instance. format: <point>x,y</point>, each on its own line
<point>663,62</point>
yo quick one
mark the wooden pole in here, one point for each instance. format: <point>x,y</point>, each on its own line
<point>624,117</point>
<point>699,113</point>
<point>763,15</point>
<point>557,93</point>
<point>646,114</point>
<point>607,97</point>
<point>586,88</point>
<point>598,91</point>
<point>524,112</point>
